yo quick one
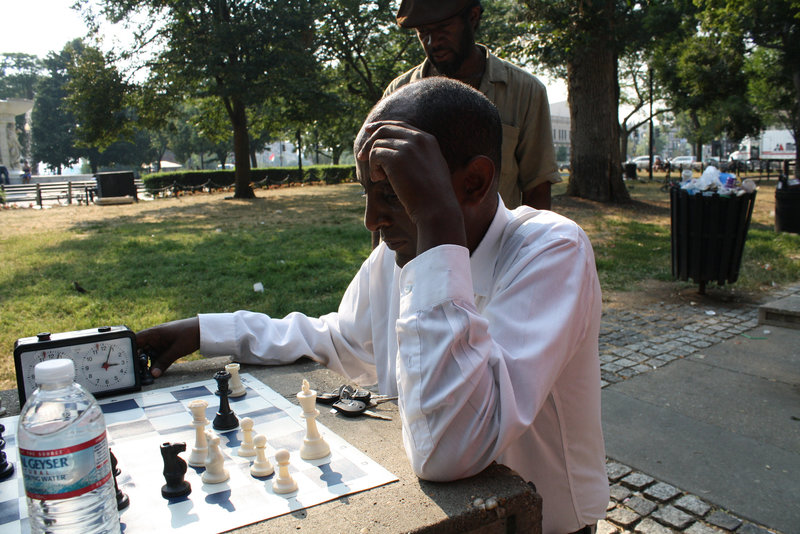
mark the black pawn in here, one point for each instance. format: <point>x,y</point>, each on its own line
<point>6,467</point>
<point>122,499</point>
<point>174,471</point>
<point>225,419</point>
<point>145,378</point>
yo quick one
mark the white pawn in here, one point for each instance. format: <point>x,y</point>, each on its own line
<point>247,448</point>
<point>262,466</point>
<point>235,384</point>
<point>215,463</point>
<point>283,483</point>
<point>314,446</point>
<point>197,458</point>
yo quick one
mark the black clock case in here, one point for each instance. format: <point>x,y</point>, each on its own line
<point>46,341</point>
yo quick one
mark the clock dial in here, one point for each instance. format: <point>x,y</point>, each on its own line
<point>106,365</point>
<point>40,356</point>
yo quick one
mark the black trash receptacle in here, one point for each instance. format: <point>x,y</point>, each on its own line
<point>115,184</point>
<point>630,171</point>
<point>787,210</point>
<point>708,235</point>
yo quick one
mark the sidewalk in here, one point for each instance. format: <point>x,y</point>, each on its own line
<point>701,415</point>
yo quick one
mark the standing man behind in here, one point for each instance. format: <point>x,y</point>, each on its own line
<point>446,30</point>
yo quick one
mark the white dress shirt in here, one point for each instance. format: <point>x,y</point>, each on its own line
<point>494,356</point>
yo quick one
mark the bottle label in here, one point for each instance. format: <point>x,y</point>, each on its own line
<point>67,472</point>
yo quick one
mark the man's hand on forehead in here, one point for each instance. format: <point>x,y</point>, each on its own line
<point>411,161</point>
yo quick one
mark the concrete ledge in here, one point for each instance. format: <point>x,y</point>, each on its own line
<point>784,312</point>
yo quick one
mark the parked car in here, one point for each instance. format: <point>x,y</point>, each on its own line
<point>682,162</point>
<point>643,162</point>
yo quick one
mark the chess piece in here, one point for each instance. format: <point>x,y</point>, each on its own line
<point>122,500</point>
<point>215,463</point>
<point>174,471</point>
<point>262,466</point>
<point>145,378</point>
<point>237,388</point>
<point>283,483</point>
<point>6,467</point>
<point>314,446</point>
<point>247,448</point>
<point>197,458</point>
<point>225,419</point>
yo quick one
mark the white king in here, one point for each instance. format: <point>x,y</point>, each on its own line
<point>314,446</point>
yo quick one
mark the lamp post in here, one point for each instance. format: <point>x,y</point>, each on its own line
<point>650,77</point>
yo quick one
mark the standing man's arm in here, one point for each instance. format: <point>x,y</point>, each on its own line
<point>535,152</point>
<point>538,196</point>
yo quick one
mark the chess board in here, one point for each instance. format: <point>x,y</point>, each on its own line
<point>139,423</point>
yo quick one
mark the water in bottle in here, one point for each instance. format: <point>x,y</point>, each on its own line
<point>64,456</point>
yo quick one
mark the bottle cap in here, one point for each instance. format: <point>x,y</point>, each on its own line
<point>50,371</point>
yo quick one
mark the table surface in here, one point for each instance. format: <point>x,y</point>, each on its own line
<point>408,505</point>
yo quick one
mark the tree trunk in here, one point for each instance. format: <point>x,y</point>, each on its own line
<point>241,149</point>
<point>623,144</point>
<point>595,165</point>
<point>299,140</point>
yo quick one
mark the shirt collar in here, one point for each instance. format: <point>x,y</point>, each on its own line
<point>495,72</point>
<point>482,260</point>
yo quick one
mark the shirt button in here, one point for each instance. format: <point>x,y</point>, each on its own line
<point>407,289</point>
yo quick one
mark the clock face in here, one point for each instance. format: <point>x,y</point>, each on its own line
<point>105,359</point>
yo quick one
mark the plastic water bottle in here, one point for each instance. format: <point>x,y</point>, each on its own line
<point>64,456</point>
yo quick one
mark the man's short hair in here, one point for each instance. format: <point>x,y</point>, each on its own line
<point>464,122</point>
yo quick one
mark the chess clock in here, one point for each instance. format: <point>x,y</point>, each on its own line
<point>105,359</point>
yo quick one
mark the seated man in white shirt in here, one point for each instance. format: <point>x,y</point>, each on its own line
<point>483,321</point>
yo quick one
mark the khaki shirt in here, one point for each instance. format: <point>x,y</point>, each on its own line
<point>528,155</point>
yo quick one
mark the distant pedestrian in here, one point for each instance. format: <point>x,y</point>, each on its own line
<point>26,172</point>
<point>4,175</point>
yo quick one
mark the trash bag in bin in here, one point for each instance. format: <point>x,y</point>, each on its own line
<point>708,235</point>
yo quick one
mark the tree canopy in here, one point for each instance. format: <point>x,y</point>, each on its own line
<point>238,51</point>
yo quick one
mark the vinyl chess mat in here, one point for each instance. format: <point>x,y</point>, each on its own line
<point>139,423</point>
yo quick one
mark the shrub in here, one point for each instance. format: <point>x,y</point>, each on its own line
<point>260,177</point>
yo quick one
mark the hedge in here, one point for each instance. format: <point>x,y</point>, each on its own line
<point>259,177</point>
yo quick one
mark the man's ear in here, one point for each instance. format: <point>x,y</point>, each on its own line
<point>475,17</point>
<point>477,180</point>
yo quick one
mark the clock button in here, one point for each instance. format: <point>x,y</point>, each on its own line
<point>44,336</point>
<point>104,329</point>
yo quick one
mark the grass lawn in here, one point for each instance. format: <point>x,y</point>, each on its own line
<point>150,262</point>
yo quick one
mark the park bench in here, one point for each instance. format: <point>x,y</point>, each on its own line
<point>55,193</point>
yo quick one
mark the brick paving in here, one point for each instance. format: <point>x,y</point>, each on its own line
<point>635,341</point>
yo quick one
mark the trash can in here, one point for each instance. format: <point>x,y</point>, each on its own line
<point>630,171</point>
<point>116,184</point>
<point>787,210</point>
<point>708,235</point>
